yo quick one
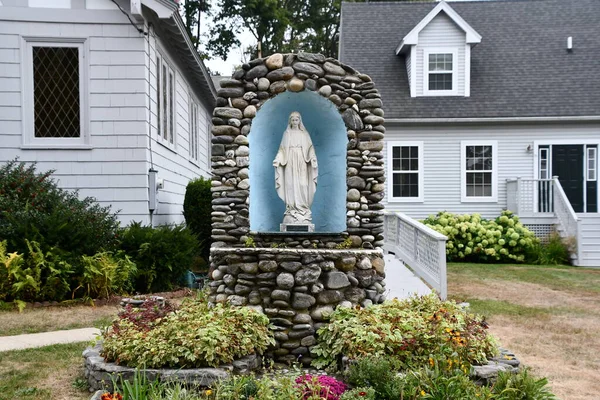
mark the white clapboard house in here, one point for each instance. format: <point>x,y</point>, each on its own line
<point>489,105</point>
<point>110,94</point>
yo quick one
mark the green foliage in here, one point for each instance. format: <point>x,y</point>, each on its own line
<point>378,373</point>
<point>34,276</point>
<point>249,242</point>
<point>105,275</point>
<point>521,386</point>
<point>34,208</point>
<point>195,336</point>
<point>475,239</point>
<point>346,244</point>
<point>197,208</point>
<point>162,254</point>
<point>554,252</point>
<point>359,393</point>
<point>412,330</point>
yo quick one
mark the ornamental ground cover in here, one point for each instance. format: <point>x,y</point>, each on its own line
<point>196,335</point>
<point>413,331</point>
<point>476,239</point>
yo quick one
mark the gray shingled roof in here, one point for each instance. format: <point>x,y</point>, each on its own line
<point>520,69</point>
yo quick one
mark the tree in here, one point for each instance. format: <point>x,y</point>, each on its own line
<point>191,13</point>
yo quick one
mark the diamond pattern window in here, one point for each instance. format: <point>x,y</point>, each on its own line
<point>406,171</point>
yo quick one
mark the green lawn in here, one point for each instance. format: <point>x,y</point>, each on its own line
<point>52,372</point>
<point>552,276</point>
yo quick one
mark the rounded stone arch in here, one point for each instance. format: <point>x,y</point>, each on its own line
<point>359,104</point>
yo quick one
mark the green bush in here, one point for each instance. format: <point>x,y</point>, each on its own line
<point>554,252</point>
<point>197,207</point>
<point>36,275</point>
<point>414,331</point>
<point>105,275</point>
<point>378,373</point>
<point>195,336</point>
<point>472,238</point>
<point>520,386</point>
<point>162,254</point>
<point>34,208</point>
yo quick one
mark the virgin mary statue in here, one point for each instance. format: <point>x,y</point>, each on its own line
<point>296,172</point>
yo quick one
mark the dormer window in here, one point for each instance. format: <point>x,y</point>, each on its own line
<point>437,52</point>
<point>440,72</point>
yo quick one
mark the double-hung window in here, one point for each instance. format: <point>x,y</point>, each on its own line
<point>165,101</point>
<point>440,72</point>
<point>405,169</point>
<point>479,170</point>
<point>55,92</point>
<point>194,130</point>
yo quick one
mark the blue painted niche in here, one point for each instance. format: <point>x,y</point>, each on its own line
<point>328,134</point>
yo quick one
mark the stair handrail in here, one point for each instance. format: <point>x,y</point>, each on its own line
<point>570,222</point>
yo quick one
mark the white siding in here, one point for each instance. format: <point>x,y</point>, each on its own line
<point>442,163</point>
<point>441,32</point>
<point>174,165</point>
<point>115,169</point>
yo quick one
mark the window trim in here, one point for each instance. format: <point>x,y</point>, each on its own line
<point>463,172</point>
<point>426,72</point>
<point>587,164</point>
<point>194,103</point>
<point>27,100</point>
<point>390,172</point>
<point>165,62</point>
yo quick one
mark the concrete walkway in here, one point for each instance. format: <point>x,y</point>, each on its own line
<point>20,342</point>
<point>400,281</point>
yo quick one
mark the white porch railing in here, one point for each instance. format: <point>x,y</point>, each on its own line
<point>419,247</point>
<point>567,219</point>
<point>544,197</point>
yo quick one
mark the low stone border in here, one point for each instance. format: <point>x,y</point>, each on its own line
<point>100,373</point>
<point>505,362</point>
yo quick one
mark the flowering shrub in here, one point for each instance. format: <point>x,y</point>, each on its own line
<point>323,386</point>
<point>472,238</point>
<point>361,393</point>
<point>411,330</point>
<point>108,396</point>
<point>194,336</point>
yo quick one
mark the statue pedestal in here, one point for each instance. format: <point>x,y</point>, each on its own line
<point>296,227</point>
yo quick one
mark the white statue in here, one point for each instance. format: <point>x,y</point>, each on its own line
<point>296,172</point>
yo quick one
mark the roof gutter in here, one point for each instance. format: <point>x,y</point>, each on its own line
<point>583,118</point>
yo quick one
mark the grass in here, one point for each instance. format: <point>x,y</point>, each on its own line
<point>34,320</point>
<point>547,315</point>
<point>52,372</point>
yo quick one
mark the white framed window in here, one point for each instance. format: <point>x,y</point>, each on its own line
<point>405,171</point>
<point>208,138</point>
<point>194,130</point>
<point>440,71</point>
<point>479,171</point>
<point>165,102</point>
<point>544,160</point>
<point>55,93</point>
<point>591,163</point>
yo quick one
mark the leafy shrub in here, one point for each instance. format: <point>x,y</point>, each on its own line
<point>34,208</point>
<point>197,207</point>
<point>519,386</point>
<point>194,336</point>
<point>553,252</point>
<point>434,383</point>
<point>411,330</point>
<point>146,316</point>
<point>378,373</point>
<point>472,238</point>
<point>105,275</point>
<point>162,254</point>
<point>321,387</point>
<point>34,276</point>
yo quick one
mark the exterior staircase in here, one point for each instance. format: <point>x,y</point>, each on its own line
<point>590,240</point>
